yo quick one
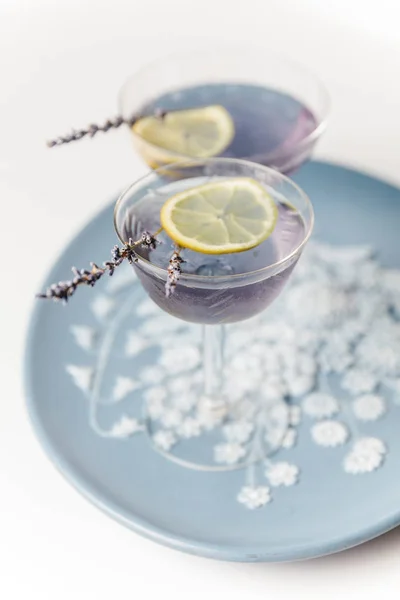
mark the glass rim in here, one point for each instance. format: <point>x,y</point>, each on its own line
<point>220,278</point>
<point>309,138</point>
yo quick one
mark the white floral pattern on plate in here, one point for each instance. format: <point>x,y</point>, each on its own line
<point>229,453</point>
<point>329,433</point>
<point>126,427</point>
<point>320,406</point>
<point>124,386</point>
<point>282,473</point>
<point>254,497</point>
<point>369,407</point>
<point>366,456</point>
<point>328,349</point>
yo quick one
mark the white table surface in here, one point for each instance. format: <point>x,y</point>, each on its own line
<point>61,63</point>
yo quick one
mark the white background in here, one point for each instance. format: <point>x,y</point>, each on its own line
<point>61,63</point>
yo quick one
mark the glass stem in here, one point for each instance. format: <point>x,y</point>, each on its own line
<point>213,361</point>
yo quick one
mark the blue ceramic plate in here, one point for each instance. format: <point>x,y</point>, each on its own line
<point>89,366</point>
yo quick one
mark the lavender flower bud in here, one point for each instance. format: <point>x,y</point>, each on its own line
<point>148,241</point>
<point>174,272</point>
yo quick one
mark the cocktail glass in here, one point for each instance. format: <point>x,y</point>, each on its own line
<point>215,290</point>
<point>279,110</point>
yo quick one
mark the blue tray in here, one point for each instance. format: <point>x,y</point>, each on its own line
<point>192,510</point>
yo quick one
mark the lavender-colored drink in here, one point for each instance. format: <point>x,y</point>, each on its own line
<point>269,125</point>
<point>214,289</point>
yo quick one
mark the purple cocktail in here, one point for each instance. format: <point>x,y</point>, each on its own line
<point>270,126</point>
<point>215,289</point>
<point>279,111</point>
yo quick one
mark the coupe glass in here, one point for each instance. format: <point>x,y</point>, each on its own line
<point>283,107</point>
<point>214,300</point>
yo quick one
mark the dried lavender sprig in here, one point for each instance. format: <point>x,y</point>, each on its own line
<point>65,289</point>
<point>174,272</point>
<point>78,134</point>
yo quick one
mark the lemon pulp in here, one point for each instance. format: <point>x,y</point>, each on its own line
<point>198,132</point>
<point>220,217</point>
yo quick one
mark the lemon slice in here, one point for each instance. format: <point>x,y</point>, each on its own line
<point>197,132</point>
<point>230,215</point>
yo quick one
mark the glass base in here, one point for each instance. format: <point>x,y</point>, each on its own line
<point>217,435</point>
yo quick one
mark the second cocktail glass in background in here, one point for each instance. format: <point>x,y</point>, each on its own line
<point>279,108</point>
